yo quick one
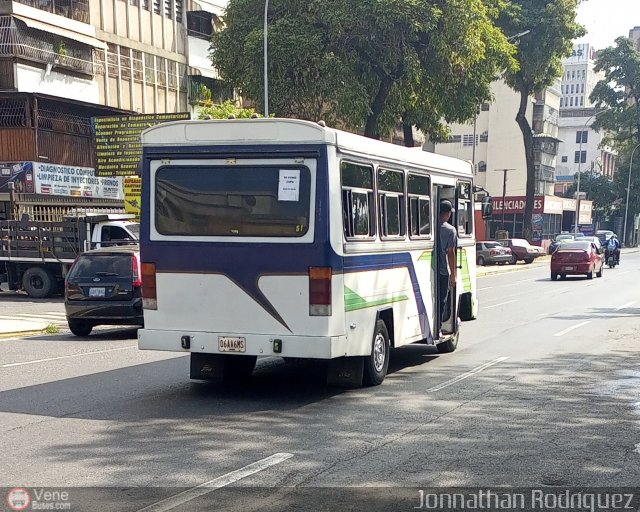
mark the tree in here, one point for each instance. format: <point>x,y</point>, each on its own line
<point>552,28</point>
<point>368,64</point>
<point>225,111</point>
<point>599,189</point>
<point>618,92</point>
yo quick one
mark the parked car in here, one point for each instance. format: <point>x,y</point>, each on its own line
<point>576,258</point>
<point>103,287</point>
<point>490,253</point>
<point>522,250</point>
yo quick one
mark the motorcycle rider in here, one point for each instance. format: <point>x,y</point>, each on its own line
<point>613,249</point>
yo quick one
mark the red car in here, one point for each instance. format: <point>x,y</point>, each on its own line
<point>577,258</point>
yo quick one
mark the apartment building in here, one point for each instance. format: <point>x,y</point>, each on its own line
<point>63,62</point>
<point>581,147</point>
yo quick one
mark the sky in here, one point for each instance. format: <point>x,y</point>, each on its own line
<point>607,19</point>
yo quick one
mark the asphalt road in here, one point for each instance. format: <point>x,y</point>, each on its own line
<point>544,390</point>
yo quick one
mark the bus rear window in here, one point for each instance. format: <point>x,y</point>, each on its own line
<point>260,201</point>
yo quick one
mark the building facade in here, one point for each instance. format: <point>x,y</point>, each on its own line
<point>63,62</point>
<point>581,148</point>
<point>494,142</point>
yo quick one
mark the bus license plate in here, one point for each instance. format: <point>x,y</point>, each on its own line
<point>96,292</point>
<point>231,344</point>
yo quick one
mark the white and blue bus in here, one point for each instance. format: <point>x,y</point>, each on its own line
<point>279,237</point>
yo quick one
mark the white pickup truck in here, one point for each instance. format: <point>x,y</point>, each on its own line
<point>36,256</point>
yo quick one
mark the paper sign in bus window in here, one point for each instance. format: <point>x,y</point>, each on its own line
<point>289,185</point>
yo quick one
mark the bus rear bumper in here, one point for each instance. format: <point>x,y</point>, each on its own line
<point>313,347</point>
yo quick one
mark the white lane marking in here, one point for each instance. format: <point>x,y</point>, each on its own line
<point>487,288</point>
<point>572,328</point>
<point>499,304</point>
<point>216,483</point>
<point>24,363</point>
<point>41,316</point>
<point>468,374</point>
<point>624,306</point>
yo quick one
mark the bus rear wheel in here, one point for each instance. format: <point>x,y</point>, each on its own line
<point>377,363</point>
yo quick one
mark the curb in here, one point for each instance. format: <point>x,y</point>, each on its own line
<point>4,335</point>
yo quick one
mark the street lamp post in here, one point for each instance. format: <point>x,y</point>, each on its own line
<point>266,76</point>
<point>584,129</point>
<point>626,208</point>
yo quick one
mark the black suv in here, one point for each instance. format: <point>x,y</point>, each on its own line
<point>103,287</point>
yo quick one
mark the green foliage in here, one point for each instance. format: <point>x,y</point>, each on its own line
<point>618,92</point>
<point>366,64</point>
<point>51,329</point>
<point>599,189</point>
<point>621,179</point>
<point>226,110</point>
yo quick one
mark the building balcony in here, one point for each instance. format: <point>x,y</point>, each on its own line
<point>545,173</point>
<point>77,10</point>
<point>47,49</point>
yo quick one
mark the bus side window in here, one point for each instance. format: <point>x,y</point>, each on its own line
<point>358,206</point>
<point>418,188</point>
<point>391,203</point>
<point>465,209</point>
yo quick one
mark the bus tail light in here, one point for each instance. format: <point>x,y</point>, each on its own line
<point>149,293</point>
<point>319,291</point>
<point>136,274</point>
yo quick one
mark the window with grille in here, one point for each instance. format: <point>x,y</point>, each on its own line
<point>137,65</point>
<point>161,71</point>
<point>149,69</point>
<point>467,140</point>
<point>125,64</point>
<point>112,60</point>
<point>173,76</point>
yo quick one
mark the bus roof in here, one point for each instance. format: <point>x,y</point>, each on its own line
<point>290,131</point>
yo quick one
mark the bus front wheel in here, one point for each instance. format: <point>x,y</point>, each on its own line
<point>377,363</point>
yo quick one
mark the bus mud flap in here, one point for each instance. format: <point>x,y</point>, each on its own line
<point>206,366</point>
<point>346,372</point>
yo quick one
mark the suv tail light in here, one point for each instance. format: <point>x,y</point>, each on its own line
<point>320,291</point>
<point>149,294</point>
<point>137,275</point>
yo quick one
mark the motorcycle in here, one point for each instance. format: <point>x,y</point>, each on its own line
<point>612,260</point>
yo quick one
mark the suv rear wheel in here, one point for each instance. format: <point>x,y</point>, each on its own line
<point>80,327</point>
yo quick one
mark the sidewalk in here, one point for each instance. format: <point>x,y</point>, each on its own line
<point>10,328</point>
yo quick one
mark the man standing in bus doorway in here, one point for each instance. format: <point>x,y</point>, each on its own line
<point>448,241</point>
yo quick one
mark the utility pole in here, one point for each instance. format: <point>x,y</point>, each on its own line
<point>504,192</point>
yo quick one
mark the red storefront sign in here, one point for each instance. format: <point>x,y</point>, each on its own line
<point>516,204</point>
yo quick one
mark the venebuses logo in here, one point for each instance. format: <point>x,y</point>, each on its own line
<point>18,499</point>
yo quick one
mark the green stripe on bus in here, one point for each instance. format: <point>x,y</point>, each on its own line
<point>353,301</point>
